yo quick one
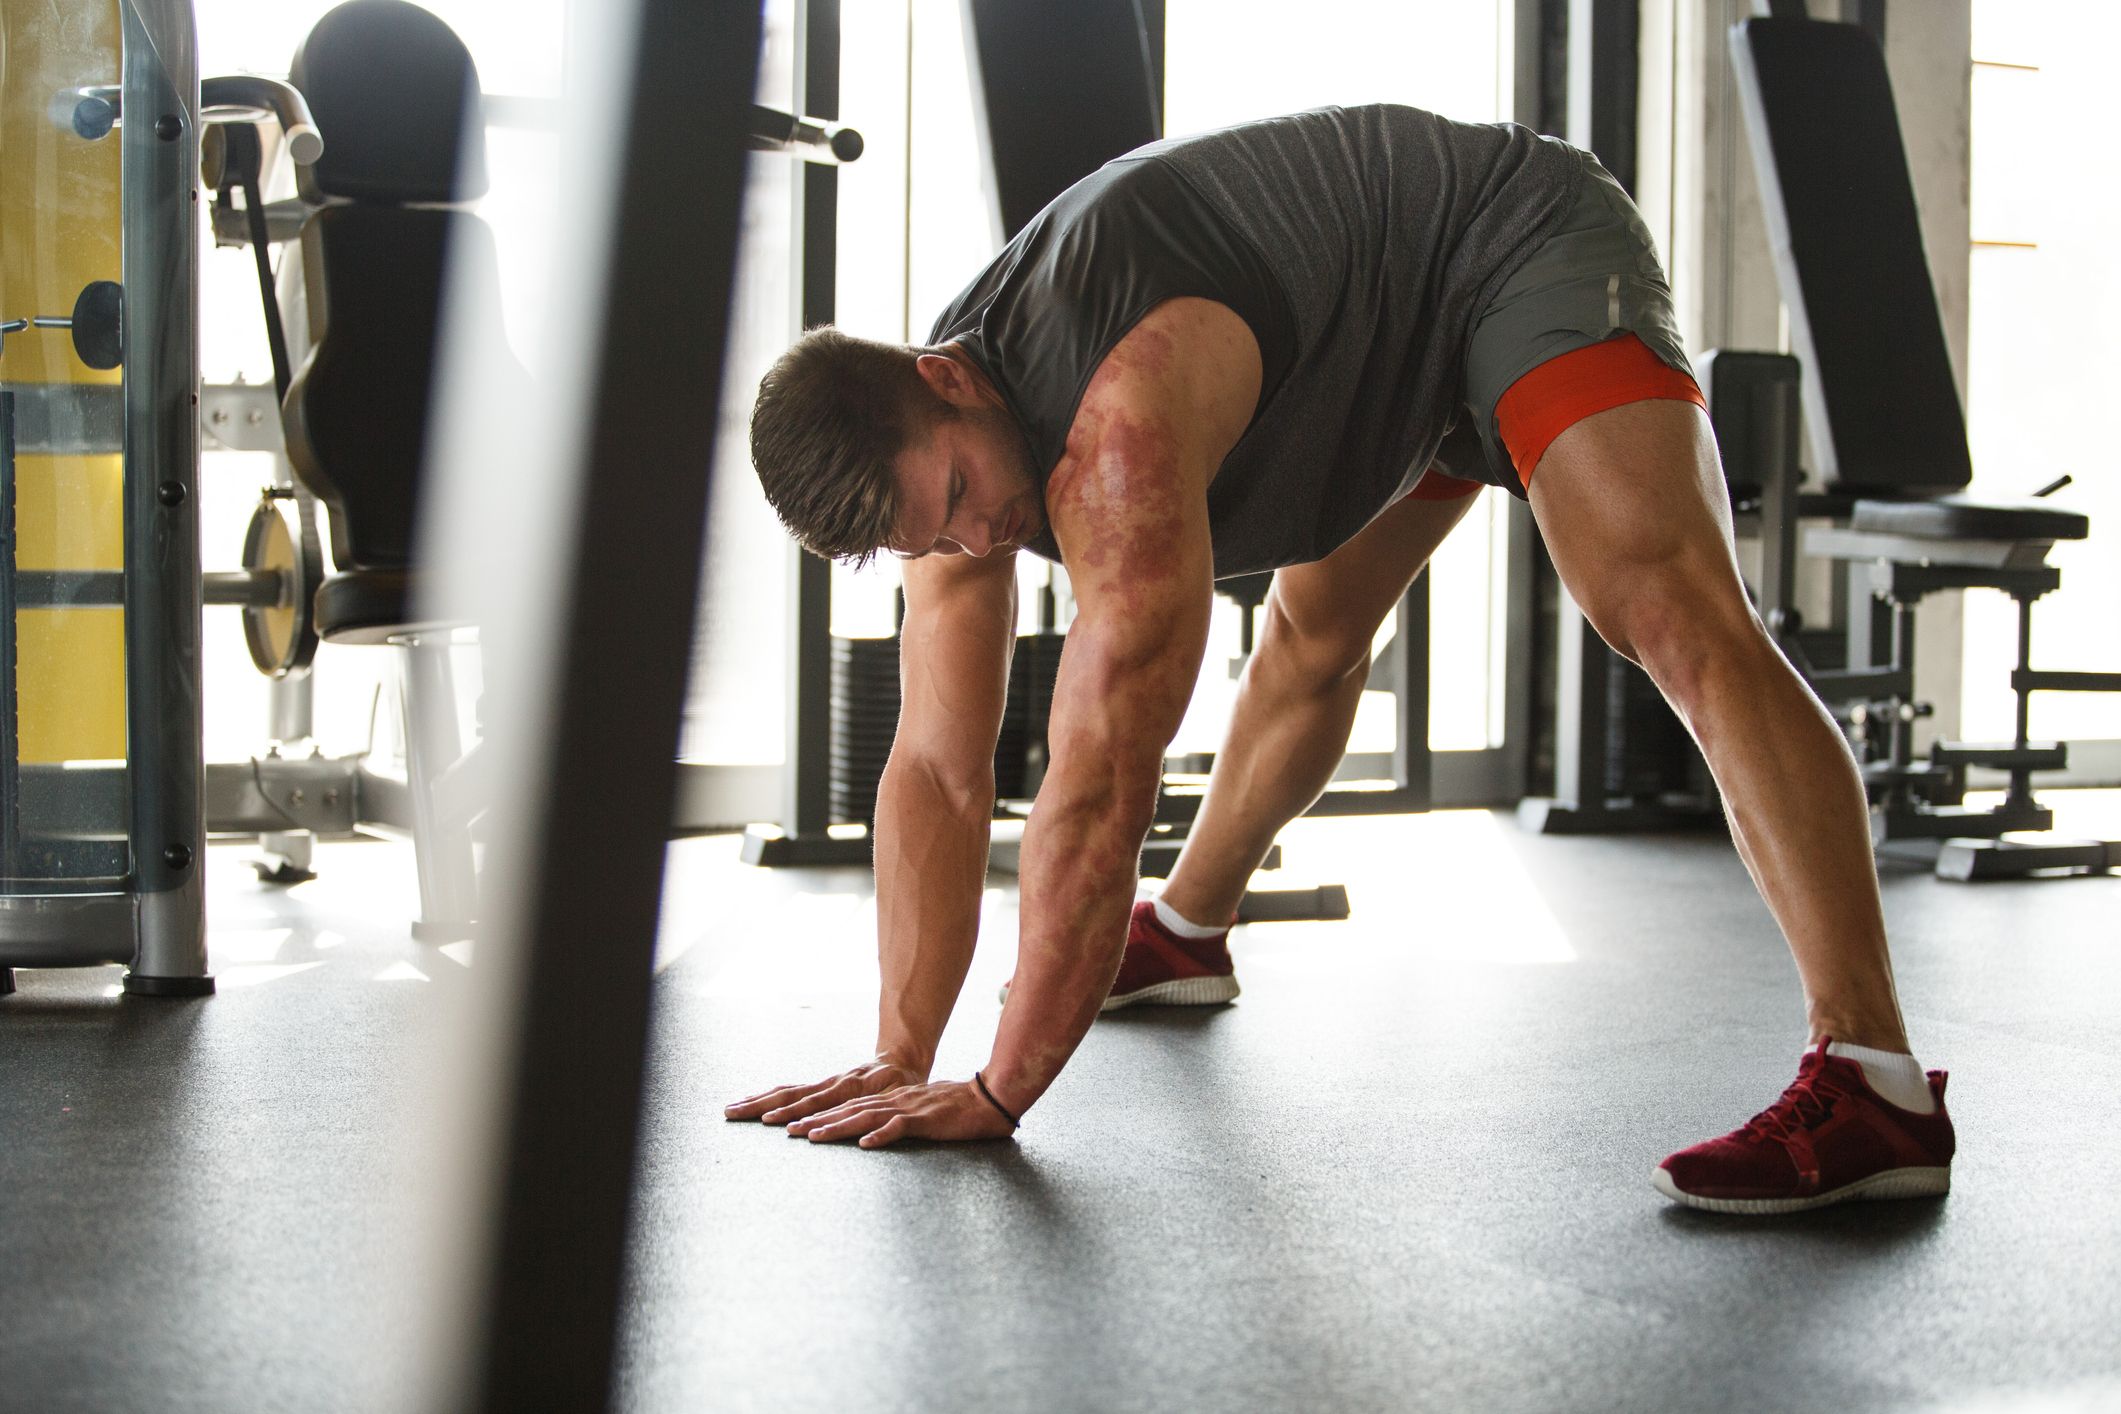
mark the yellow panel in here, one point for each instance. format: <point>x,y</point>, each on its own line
<point>60,226</point>
<point>59,211</point>
<point>75,659</point>
<point>68,513</point>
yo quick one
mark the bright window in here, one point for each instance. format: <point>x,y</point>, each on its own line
<point>2045,297</point>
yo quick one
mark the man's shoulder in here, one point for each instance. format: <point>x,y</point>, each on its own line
<point>1181,384</point>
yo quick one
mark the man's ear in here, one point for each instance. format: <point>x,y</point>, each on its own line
<point>945,377</point>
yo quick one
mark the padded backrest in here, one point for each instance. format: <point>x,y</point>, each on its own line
<point>391,88</point>
<point>1060,90</point>
<point>1882,407</point>
<point>393,91</point>
<point>357,413</point>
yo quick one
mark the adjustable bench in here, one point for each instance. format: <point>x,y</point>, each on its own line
<point>1874,378</point>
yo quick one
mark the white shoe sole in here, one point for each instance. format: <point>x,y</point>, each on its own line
<point>1893,1183</point>
<point>1185,991</point>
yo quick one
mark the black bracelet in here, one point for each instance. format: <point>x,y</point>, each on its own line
<point>1014,1122</point>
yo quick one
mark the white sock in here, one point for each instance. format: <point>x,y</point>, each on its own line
<point>1892,1074</point>
<point>1178,923</point>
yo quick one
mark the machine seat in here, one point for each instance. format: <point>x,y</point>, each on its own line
<point>1958,518</point>
<point>367,606</point>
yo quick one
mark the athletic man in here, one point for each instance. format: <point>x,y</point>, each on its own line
<point>1298,345</point>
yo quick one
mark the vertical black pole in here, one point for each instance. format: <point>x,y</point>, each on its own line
<point>808,810</point>
<point>590,862</point>
<point>1604,40</point>
<point>1600,41</point>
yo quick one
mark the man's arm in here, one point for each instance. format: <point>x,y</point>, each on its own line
<point>1133,526</point>
<point>934,807</point>
<point>1136,543</point>
<point>1128,504</point>
<point>935,803</point>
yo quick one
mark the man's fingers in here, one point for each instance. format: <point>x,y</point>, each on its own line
<point>791,1102</point>
<point>827,1114</point>
<point>895,1128</point>
<point>753,1106</point>
<point>832,1115</point>
<point>847,1126</point>
<point>810,1104</point>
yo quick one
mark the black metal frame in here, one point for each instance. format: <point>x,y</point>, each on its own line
<point>804,836</point>
<point>1580,674</point>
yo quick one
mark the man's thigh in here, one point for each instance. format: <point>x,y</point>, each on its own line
<point>1632,505</point>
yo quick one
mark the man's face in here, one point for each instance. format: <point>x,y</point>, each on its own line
<point>966,487</point>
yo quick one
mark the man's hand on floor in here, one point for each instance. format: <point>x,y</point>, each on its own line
<point>949,1109</point>
<point>793,1102</point>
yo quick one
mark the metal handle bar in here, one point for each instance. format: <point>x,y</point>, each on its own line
<point>811,138</point>
<point>35,321</point>
<point>248,96</point>
<point>94,110</point>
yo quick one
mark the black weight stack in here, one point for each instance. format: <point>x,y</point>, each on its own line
<point>865,707</point>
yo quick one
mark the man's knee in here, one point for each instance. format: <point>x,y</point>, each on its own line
<point>1316,650</point>
<point>1685,635</point>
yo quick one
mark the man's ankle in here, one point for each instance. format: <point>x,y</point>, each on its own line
<point>1183,922</point>
<point>1873,1035</point>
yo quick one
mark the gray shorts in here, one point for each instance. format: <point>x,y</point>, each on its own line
<point>1594,278</point>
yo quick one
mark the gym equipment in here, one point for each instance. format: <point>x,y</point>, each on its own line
<point>812,139</point>
<point>281,632</point>
<point>1889,438</point>
<point>96,325</point>
<point>1621,761</point>
<point>101,597</point>
<point>865,709</point>
<point>376,216</point>
<point>101,776</point>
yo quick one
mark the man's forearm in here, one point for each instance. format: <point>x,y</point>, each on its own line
<point>1080,860</point>
<point>931,864</point>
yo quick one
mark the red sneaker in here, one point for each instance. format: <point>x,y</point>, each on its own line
<point>1159,967</point>
<point>1830,1138</point>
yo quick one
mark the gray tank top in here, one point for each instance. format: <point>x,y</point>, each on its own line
<point>1359,244</point>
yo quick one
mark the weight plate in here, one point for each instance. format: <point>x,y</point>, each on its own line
<point>99,323</point>
<point>283,637</point>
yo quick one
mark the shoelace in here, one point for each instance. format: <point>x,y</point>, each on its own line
<point>1808,1101</point>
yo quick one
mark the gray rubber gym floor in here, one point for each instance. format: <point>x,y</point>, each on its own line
<point>1408,1170</point>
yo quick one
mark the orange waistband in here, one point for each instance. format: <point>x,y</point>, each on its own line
<point>1564,391</point>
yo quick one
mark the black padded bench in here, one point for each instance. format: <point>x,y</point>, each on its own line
<point>1873,376</point>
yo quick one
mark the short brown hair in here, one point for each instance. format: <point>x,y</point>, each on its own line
<point>833,414</point>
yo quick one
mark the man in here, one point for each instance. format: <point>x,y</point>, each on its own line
<point>1298,345</point>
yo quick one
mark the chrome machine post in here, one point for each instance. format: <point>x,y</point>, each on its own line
<point>162,583</point>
